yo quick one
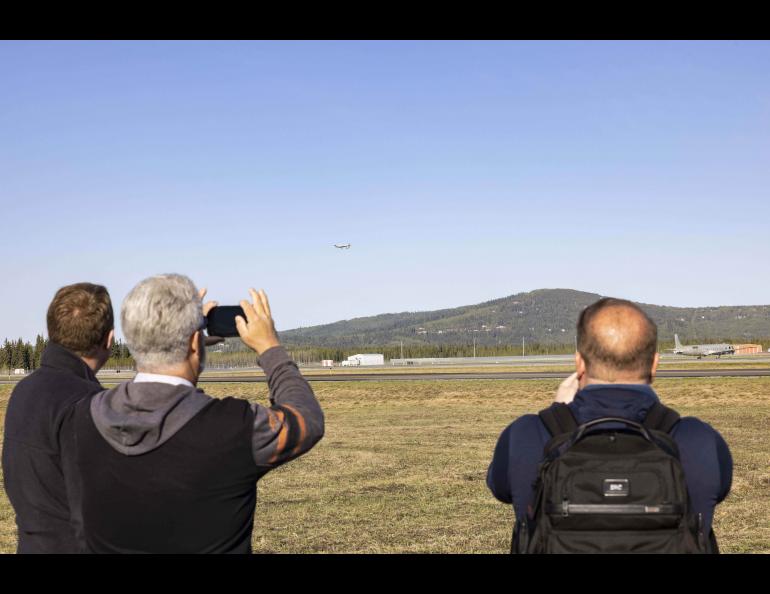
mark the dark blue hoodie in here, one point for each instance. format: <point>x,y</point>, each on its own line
<point>705,457</point>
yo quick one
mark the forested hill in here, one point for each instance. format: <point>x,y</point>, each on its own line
<point>545,316</point>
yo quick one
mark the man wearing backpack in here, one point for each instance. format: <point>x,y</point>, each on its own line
<point>645,481</point>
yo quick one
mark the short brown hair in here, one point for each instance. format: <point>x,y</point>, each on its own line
<point>634,356</point>
<point>80,317</point>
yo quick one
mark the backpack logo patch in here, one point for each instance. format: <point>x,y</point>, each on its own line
<point>616,487</point>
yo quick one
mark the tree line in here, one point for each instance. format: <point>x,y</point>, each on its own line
<point>22,355</point>
<point>27,355</point>
<point>18,354</point>
<point>121,357</point>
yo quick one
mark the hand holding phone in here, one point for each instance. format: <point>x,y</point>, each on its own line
<point>256,328</point>
<point>209,340</point>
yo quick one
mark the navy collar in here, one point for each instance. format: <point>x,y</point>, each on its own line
<point>629,401</point>
<point>57,357</point>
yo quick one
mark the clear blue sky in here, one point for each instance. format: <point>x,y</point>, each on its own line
<point>460,172</point>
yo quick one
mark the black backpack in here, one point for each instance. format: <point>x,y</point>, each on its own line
<point>616,488</point>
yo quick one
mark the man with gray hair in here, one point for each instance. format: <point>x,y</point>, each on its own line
<point>164,468</point>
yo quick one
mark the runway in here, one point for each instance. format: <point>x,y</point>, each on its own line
<point>509,375</point>
<point>491,375</point>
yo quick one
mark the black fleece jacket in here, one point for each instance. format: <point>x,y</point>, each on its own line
<point>32,468</point>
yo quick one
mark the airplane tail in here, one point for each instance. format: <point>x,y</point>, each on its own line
<point>677,343</point>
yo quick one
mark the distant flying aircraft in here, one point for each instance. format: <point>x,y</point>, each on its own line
<point>702,350</point>
<point>342,246</point>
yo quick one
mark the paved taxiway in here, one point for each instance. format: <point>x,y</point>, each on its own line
<point>511,375</point>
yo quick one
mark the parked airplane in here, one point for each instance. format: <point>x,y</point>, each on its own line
<point>702,350</point>
<point>342,246</point>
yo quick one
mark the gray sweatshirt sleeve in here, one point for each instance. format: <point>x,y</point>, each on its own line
<point>294,421</point>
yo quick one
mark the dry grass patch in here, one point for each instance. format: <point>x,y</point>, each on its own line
<point>403,464</point>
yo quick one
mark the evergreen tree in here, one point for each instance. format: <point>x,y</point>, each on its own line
<point>6,355</point>
<point>27,360</point>
<point>40,344</point>
<point>18,354</point>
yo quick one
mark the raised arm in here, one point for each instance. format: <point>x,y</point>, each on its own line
<point>294,422</point>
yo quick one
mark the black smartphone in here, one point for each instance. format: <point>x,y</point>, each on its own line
<point>221,320</point>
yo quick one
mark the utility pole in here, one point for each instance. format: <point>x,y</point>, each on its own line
<point>402,350</point>
<point>474,347</point>
<point>522,346</point>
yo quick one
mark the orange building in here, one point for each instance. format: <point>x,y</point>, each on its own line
<point>747,349</point>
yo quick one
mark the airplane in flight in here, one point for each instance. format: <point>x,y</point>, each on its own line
<point>702,350</point>
<point>342,246</point>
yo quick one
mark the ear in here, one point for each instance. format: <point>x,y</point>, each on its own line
<point>580,365</point>
<point>654,370</point>
<point>110,340</point>
<point>195,344</point>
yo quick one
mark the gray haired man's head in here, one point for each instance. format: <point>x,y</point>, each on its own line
<point>159,316</point>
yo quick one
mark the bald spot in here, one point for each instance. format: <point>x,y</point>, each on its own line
<point>619,334</point>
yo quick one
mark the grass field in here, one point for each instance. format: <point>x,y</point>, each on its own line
<point>402,465</point>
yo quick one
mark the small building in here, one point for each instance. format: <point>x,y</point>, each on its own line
<point>364,359</point>
<point>327,363</point>
<point>747,349</point>
<point>19,372</point>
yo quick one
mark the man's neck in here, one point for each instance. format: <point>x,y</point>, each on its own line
<point>602,382</point>
<point>94,364</point>
<point>183,372</point>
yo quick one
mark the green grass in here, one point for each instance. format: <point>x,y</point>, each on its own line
<point>402,466</point>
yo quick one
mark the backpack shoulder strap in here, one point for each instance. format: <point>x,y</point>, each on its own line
<point>558,419</point>
<point>661,418</point>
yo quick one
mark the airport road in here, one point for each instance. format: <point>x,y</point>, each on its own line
<point>492,375</point>
<point>511,375</point>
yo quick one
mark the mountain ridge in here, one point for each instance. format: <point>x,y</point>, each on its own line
<point>546,316</point>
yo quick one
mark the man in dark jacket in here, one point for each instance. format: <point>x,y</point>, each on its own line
<point>616,363</point>
<point>80,332</point>
<point>161,466</point>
